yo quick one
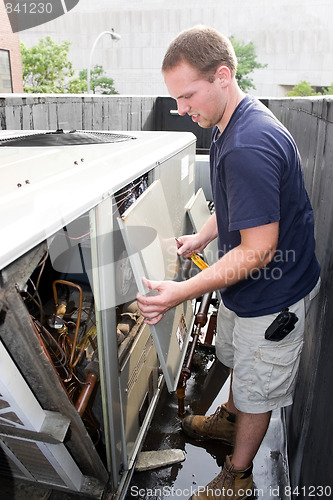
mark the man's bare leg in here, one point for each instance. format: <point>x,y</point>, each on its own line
<point>251,429</point>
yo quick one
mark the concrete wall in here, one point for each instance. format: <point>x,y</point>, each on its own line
<point>294,38</point>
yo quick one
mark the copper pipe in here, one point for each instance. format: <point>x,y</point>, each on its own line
<point>201,316</point>
<point>199,322</point>
<point>86,393</point>
<point>69,283</point>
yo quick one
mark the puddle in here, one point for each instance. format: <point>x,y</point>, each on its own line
<point>204,459</point>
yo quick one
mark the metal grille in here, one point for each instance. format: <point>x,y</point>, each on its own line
<point>34,461</point>
<point>8,467</point>
<point>61,138</point>
<point>136,371</point>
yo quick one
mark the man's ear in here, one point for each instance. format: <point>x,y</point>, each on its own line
<point>223,73</point>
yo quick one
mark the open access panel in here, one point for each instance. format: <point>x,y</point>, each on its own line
<point>153,254</point>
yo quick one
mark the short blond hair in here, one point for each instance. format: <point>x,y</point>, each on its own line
<point>203,48</point>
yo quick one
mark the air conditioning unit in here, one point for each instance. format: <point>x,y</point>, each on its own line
<point>84,215</point>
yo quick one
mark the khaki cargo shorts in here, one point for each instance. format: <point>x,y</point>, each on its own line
<point>264,372</point>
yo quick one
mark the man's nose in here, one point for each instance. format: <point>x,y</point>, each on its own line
<point>183,108</point>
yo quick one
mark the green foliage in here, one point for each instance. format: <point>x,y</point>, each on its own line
<point>46,69</point>
<point>247,62</point>
<point>99,82</point>
<point>46,66</point>
<point>328,90</point>
<point>302,89</point>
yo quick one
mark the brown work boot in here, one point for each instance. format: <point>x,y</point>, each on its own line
<point>221,425</point>
<point>228,485</point>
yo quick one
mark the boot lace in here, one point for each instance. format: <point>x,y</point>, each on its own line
<point>212,419</point>
<point>224,483</point>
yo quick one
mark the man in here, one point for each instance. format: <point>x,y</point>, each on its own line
<point>267,263</point>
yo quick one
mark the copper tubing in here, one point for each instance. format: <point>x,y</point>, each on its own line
<point>181,399</point>
<point>201,316</point>
<point>55,295</point>
<point>199,322</point>
<point>86,393</point>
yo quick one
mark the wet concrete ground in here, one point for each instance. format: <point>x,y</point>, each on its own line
<point>204,459</point>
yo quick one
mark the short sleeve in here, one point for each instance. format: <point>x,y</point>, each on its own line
<point>252,184</point>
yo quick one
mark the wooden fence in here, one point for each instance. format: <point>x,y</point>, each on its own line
<point>310,420</point>
<point>76,112</point>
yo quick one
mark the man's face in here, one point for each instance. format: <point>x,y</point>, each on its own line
<point>202,99</point>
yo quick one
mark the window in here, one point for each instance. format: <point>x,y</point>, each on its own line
<point>5,73</point>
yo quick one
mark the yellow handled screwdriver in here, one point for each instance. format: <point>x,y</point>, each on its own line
<point>198,261</point>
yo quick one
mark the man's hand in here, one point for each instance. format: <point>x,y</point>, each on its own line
<point>256,250</point>
<point>195,243</point>
<point>189,244</point>
<point>153,307</point>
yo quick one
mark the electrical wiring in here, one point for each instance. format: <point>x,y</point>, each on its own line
<point>37,302</point>
<point>55,295</point>
<point>64,346</point>
<point>42,266</point>
<point>55,351</point>
<point>130,192</point>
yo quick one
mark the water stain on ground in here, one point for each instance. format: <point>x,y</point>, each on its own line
<point>204,459</point>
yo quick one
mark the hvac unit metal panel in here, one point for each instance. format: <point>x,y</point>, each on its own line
<point>35,452</point>
<point>139,379</point>
<point>198,211</point>
<point>152,251</point>
<point>59,206</point>
<point>44,188</point>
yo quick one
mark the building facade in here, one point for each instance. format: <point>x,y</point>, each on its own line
<point>293,38</point>
<point>10,56</point>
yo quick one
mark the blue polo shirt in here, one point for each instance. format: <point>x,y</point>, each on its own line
<point>257,179</point>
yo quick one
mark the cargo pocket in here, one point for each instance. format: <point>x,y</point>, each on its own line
<point>274,372</point>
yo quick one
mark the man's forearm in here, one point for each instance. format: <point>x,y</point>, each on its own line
<point>234,266</point>
<point>209,231</point>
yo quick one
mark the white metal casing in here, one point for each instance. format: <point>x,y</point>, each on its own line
<point>47,188</point>
<point>44,188</point>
